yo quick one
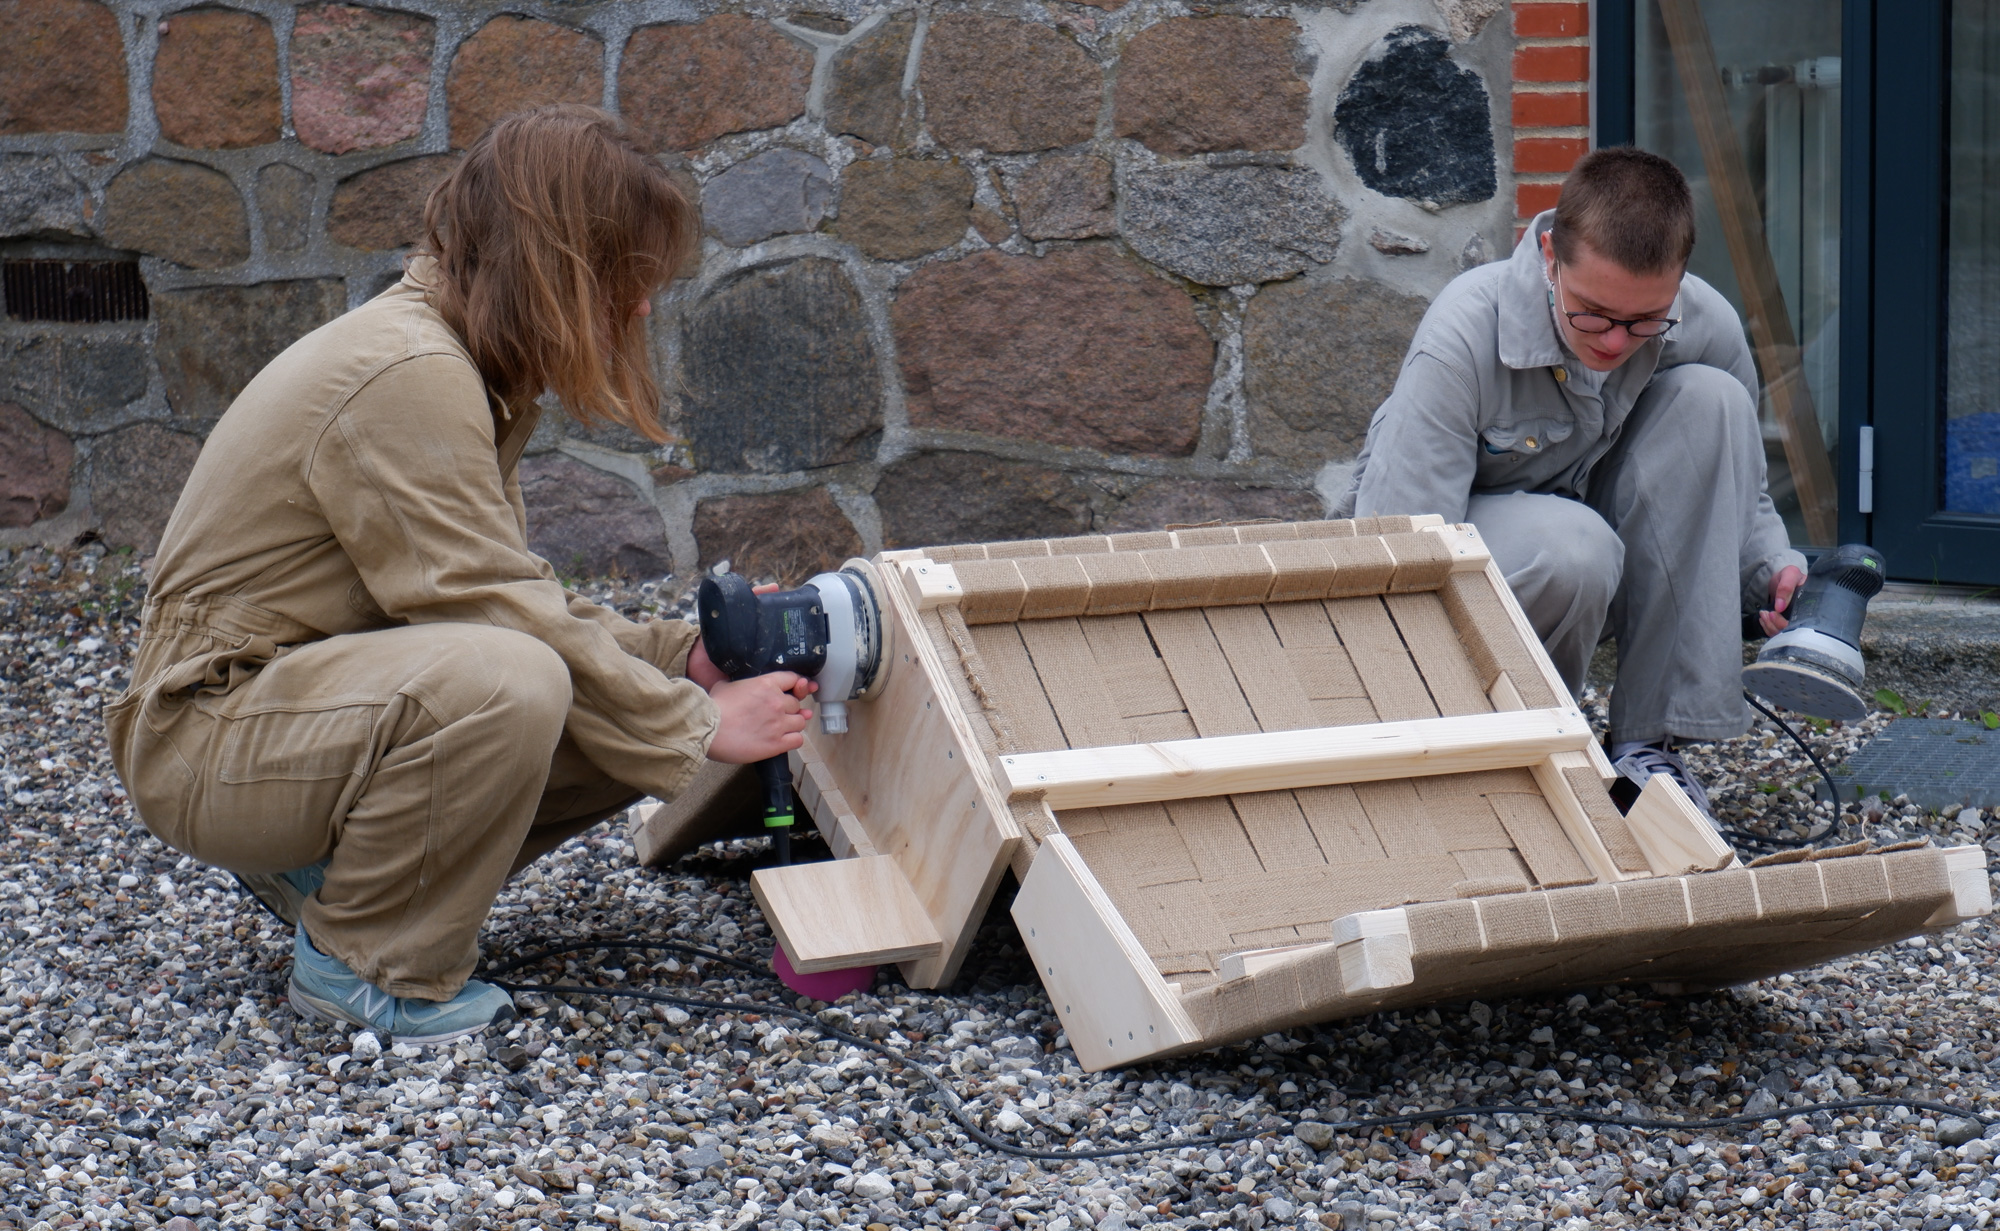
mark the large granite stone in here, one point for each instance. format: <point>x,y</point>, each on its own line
<point>932,498</point>
<point>41,198</point>
<point>214,339</point>
<point>1318,357</point>
<point>215,79</point>
<point>1466,18</point>
<point>515,63</point>
<point>1081,347</point>
<point>1416,124</point>
<point>1192,502</point>
<point>285,199</point>
<point>62,68</point>
<point>360,76</point>
<point>904,207</point>
<point>680,86</point>
<point>779,192</point>
<point>780,373</point>
<point>383,207</point>
<point>1229,225</point>
<point>136,475</point>
<point>587,523</point>
<point>34,468</point>
<point>1007,86</point>
<point>776,536</point>
<point>1191,85</point>
<point>186,213</point>
<point>865,96</point>
<point>72,376</point>
<point>1066,196</point>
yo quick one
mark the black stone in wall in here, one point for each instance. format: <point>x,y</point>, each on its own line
<point>780,372</point>
<point>1416,124</point>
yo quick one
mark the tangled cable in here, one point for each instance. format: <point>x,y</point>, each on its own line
<point>949,1098</point>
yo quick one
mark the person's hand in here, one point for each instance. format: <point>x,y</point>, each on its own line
<point>1783,586</point>
<point>702,671</point>
<point>762,716</point>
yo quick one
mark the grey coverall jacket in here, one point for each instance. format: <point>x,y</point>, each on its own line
<point>1630,504</point>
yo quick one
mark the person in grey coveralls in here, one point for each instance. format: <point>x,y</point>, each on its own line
<point>1592,408</point>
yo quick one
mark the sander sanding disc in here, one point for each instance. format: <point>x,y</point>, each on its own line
<point>1804,689</point>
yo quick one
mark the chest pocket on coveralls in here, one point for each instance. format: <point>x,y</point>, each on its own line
<point>1525,438</point>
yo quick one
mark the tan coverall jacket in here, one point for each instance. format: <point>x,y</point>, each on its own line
<point>349,651</point>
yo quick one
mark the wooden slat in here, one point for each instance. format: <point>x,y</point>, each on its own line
<point>1201,673</point>
<point>1381,659</point>
<point>844,912</point>
<point>910,770</point>
<point>1282,760</point>
<point>1106,991</point>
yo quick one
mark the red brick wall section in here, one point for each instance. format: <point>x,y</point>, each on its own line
<point>1551,99</point>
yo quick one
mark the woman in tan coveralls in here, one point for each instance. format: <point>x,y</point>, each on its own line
<point>349,654</point>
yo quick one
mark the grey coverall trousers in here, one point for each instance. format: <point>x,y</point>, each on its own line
<point>1652,557</point>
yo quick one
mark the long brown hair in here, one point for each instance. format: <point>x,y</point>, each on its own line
<point>547,236</point>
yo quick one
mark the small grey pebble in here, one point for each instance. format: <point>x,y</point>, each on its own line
<point>1956,1130</point>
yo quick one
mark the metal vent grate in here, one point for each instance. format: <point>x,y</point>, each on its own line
<point>77,291</point>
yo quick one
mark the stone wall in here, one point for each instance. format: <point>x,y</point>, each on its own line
<point>972,274</point>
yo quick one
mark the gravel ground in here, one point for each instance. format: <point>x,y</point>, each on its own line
<point>155,1075</point>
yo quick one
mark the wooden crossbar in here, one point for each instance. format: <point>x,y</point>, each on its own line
<point>1284,760</point>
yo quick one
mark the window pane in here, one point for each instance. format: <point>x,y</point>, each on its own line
<point>1972,280</point>
<point>1772,70</point>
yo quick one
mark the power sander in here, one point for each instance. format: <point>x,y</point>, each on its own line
<point>1814,666</point>
<point>828,630</point>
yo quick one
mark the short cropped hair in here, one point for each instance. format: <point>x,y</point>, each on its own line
<point>1631,207</point>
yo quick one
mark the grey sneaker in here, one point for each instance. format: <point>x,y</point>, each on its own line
<point>324,989</point>
<point>1638,766</point>
<point>284,894</point>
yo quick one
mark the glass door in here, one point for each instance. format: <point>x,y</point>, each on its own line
<point>1746,97</point>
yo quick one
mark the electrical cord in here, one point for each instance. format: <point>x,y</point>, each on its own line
<point>946,1095</point>
<point>1832,788</point>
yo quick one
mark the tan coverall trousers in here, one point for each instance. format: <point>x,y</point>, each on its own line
<point>428,762</point>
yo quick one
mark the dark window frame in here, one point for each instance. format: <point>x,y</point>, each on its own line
<point>1893,239</point>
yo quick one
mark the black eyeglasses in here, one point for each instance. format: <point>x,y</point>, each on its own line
<point>1597,322</point>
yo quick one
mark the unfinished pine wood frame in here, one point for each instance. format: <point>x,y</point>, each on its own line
<point>1254,776</point>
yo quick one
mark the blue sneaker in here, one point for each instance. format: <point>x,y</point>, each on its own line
<point>284,894</point>
<point>324,989</point>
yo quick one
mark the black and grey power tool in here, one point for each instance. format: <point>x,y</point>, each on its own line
<point>829,629</point>
<point>1814,665</point>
